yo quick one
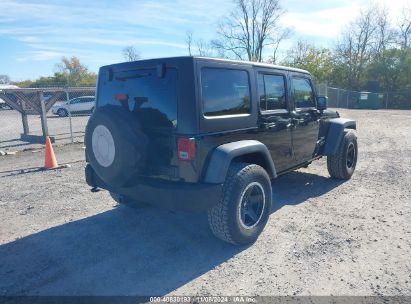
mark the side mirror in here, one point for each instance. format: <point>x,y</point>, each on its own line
<point>322,102</point>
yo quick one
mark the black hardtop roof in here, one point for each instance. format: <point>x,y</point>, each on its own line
<point>253,63</point>
<point>221,60</point>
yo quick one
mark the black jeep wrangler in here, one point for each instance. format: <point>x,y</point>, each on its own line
<point>210,134</point>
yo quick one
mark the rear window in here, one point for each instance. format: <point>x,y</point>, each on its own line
<point>152,98</point>
<point>225,92</point>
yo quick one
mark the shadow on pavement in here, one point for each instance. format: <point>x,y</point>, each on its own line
<point>17,145</point>
<point>296,187</point>
<point>148,251</point>
<point>123,251</point>
<point>58,138</point>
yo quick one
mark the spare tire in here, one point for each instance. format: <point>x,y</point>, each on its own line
<point>115,144</point>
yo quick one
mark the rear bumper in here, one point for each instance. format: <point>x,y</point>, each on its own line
<point>174,195</point>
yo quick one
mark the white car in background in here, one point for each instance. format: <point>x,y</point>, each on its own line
<point>3,104</point>
<point>84,104</point>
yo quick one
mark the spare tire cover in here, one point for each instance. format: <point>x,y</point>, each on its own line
<point>115,144</point>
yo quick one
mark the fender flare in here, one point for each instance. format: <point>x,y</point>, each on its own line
<point>221,158</point>
<point>336,133</point>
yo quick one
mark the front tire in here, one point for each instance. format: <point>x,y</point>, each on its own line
<point>342,164</point>
<point>244,208</point>
<point>62,112</point>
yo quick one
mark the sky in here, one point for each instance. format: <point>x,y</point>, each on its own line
<point>35,34</point>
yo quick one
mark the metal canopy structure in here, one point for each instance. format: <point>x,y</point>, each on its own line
<point>32,101</point>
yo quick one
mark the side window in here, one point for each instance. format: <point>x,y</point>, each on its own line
<point>303,93</point>
<point>225,92</point>
<point>74,101</point>
<point>271,89</point>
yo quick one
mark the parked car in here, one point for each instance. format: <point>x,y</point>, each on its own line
<point>84,104</point>
<point>4,105</point>
<point>211,134</point>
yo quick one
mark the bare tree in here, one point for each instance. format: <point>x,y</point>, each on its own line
<point>297,54</point>
<point>203,48</point>
<point>248,29</point>
<point>278,37</point>
<point>385,33</point>
<point>4,79</point>
<point>356,46</point>
<point>404,29</point>
<point>189,41</point>
<point>130,53</point>
<point>373,48</point>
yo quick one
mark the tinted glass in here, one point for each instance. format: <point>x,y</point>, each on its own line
<point>303,93</point>
<point>271,89</point>
<point>225,92</point>
<point>151,98</point>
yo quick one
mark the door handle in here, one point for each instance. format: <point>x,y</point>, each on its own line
<point>270,125</point>
<point>297,120</point>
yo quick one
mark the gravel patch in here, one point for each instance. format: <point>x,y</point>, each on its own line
<point>324,237</point>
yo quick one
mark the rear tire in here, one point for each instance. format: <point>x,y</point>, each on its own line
<point>342,164</point>
<point>244,208</point>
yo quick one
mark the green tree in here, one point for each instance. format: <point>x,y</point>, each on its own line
<point>24,83</point>
<point>392,69</point>
<point>72,73</point>
<point>318,61</point>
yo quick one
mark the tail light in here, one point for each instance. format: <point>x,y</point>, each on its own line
<point>186,148</point>
<point>121,97</point>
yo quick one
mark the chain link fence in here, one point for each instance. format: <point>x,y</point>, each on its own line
<point>27,115</point>
<point>68,117</point>
<point>349,99</point>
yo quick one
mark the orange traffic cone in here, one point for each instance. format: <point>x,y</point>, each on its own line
<point>50,161</point>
